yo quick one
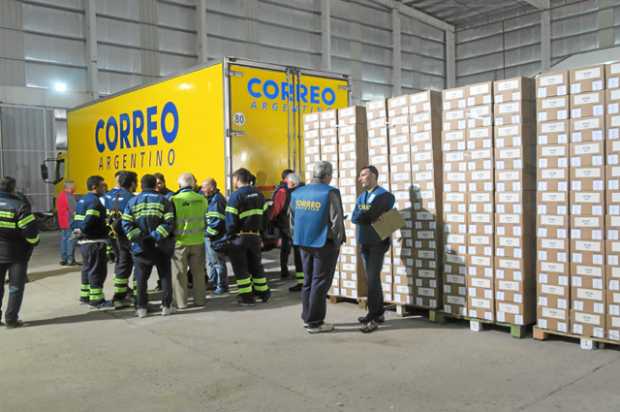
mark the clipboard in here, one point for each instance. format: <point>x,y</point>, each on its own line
<point>388,223</point>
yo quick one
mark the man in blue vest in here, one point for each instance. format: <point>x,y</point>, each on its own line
<point>317,222</point>
<point>370,205</point>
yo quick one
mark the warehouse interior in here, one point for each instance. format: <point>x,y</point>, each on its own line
<point>405,61</point>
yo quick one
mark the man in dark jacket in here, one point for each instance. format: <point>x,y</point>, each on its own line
<point>18,235</point>
<point>91,229</point>
<point>148,222</point>
<point>278,217</point>
<point>370,205</point>
<point>216,228</point>
<point>244,222</point>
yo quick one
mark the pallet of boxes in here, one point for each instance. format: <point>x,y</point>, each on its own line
<point>515,203</point>
<point>379,156</point>
<point>592,209</point>
<point>352,156</point>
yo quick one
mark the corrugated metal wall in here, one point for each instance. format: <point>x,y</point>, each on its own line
<point>507,47</point>
<point>44,41</point>
<point>26,138</point>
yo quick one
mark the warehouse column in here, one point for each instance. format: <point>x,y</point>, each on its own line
<point>606,35</point>
<point>201,36</point>
<point>396,52</point>
<point>326,35</point>
<point>149,38</point>
<point>91,47</point>
<point>450,59</point>
<point>545,39</point>
<point>356,63</point>
<point>251,38</point>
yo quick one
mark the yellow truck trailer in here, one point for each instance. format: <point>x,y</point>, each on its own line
<point>209,121</point>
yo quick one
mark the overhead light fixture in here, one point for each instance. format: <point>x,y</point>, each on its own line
<point>60,87</point>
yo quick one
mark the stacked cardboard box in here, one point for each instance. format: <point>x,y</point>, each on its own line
<point>425,129</point>
<point>328,137</point>
<point>515,201</point>
<point>379,156</point>
<point>612,219</point>
<point>400,178</point>
<point>587,201</point>
<point>352,156</point>
<point>454,200</point>
<point>552,202</point>
<point>312,143</point>
<point>480,202</point>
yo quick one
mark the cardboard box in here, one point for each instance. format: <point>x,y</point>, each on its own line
<point>554,132</point>
<point>516,112</point>
<point>590,104</point>
<point>612,72</point>
<point>612,98</point>
<point>480,93</point>
<point>554,83</point>
<point>587,79</point>
<point>455,98</point>
<point>479,116</point>
<point>553,108</point>
<point>515,89</point>
<point>587,129</point>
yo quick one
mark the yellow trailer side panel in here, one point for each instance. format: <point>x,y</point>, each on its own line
<point>171,127</point>
<point>266,107</point>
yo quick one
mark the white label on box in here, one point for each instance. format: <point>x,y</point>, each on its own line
<point>512,107</point>
<point>587,246</point>
<point>478,89</point>
<point>552,290</point>
<point>586,98</point>
<point>587,318</point>
<point>588,172</point>
<point>508,197</point>
<point>506,285</point>
<point>481,303</point>
<point>510,219</point>
<point>553,151</point>
<point>553,174</point>
<point>586,74</point>
<point>505,85</point>
<point>553,197</point>
<point>589,294</point>
<point>588,197</point>
<point>508,131</point>
<point>551,80</point>
<point>454,115</point>
<point>509,242</point>
<point>552,243</point>
<point>508,308</point>
<point>553,127</point>
<point>554,103</point>
<point>480,133</point>
<point>509,264</point>
<point>454,135</point>
<point>419,98</point>
<point>452,94</point>
<point>480,283</point>
<point>587,124</point>
<point>593,271</point>
<point>553,313</point>
<point>552,267</point>
<point>586,222</point>
<point>511,175</point>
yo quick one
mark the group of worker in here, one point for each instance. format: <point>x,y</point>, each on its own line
<point>174,231</point>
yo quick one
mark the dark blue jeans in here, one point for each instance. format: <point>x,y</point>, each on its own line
<point>373,256</point>
<point>319,265</point>
<point>17,284</point>
<point>67,246</point>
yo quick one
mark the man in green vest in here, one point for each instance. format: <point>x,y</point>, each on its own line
<point>191,213</point>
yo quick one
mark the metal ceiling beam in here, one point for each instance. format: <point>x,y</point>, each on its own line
<point>201,25</point>
<point>416,14</point>
<point>539,4</point>
<point>326,35</point>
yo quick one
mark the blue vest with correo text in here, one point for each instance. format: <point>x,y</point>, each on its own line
<point>310,206</point>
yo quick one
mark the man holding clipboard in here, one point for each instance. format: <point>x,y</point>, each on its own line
<point>370,207</point>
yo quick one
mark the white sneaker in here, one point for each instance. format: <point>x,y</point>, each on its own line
<point>325,327</point>
<point>142,313</point>
<point>167,311</point>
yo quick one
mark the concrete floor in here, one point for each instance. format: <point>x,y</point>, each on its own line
<point>225,358</point>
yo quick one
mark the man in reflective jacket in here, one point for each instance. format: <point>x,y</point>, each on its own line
<point>191,213</point>
<point>18,235</point>
<point>148,222</point>
<point>216,228</point>
<point>91,229</point>
<point>317,220</point>
<point>370,205</point>
<point>244,222</point>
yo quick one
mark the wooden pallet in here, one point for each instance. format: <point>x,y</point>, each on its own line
<point>585,342</point>
<point>361,302</point>
<point>478,325</point>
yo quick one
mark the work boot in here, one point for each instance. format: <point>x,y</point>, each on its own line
<point>63,263</point>
<point>15,324</point>
<point>296,288</point>
<point>142,313</point>
<point>322,328</point>
<point>104,304</point>
<point>246,300</point>
<point>123,303</point>
<point>366,319</point>
<point>167,310</point>
<point>264,297</point>
<point>369,327</point>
